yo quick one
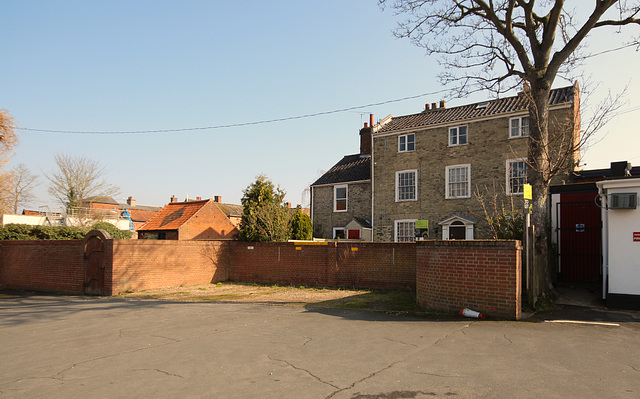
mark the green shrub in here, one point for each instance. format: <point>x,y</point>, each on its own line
<point>16,232</point>
<point>113,231</point>
<point>26,232</point>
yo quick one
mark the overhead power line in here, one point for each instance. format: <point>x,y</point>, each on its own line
<point>290,118</point>
<point>190,129</point>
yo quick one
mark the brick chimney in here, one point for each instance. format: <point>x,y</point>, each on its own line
<point>217,198</point>
<point>443,104</point>
<point>131,201</point>
<point>365,137</point>
<point>174,199</point>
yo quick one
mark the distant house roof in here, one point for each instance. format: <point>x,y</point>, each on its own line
<point>173,215</point>
<point>350,168</point>
<point>472,111</point>
<point>141,215</point>
<point>102,199</point>
<point>231,210</point>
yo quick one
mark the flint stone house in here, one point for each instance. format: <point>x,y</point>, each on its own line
<point>341,198</point>
<point>428,170</point>
<point>428,167</point>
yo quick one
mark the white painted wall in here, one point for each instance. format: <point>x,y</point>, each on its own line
<point>122,224</point>
<point>23,219</point>
<point>620,252</point>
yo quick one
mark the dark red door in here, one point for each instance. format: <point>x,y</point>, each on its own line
<point>579,236</point>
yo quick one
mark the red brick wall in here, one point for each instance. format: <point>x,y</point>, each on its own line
<point>326,263</point>
<point>51,265</point>
<point>485,276</point>
<point>448,275</point>
<point>147,264</point>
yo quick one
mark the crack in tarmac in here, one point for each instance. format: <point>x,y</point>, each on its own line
<point>362,379</point>
<point>161,371</point>
<point>461,330</point>
<point>59,376</point>
<point>402,342</point>
<point>436,375</point>
<point>302,369</point>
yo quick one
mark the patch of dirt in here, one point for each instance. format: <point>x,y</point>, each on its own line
<point>247,293</point>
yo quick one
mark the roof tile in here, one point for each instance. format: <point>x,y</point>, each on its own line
<point>465,112</point>
<point>173,215</point>
<point>350,168</point>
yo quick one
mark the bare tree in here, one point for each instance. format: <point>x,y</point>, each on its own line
<point>499,45</point>
<point>8,141</point>
<point>76,179</point>
<point>22,185</point>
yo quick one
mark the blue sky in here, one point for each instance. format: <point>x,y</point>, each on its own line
<point>153,65</point>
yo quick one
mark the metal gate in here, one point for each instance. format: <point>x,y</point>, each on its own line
<point>579,237</point>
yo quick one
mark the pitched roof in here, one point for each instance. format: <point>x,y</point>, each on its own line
<point>481,109</point>
<point>231,210</point>
<point>174,215</point>
<point>141,215</point>
<point>101,199</point>
<point>350,168</point>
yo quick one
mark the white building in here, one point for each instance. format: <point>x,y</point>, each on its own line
<point>621,242</point>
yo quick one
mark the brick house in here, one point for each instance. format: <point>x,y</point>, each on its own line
<point>341,198</point>
<point>193,220</point>
<point>428,167</point>
<point>105,206</point>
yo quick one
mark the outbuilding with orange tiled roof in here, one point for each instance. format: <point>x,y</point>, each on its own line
<point>191,220</point>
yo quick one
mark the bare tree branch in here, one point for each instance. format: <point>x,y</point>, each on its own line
<point>77,179</point>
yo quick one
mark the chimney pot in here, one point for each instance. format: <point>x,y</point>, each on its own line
<point>371,120</point>
<point>174,199</point>
<point>131,201</point>
<point>217,198</point>
<point>427,107</point>
<point>366,124</point>
<point>433,105</point>
<point>443,104</point>
<point>198,198</point>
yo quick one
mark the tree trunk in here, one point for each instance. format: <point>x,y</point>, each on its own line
<point>539,176</point>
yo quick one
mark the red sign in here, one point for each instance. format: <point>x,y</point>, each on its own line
<point>636,236</point>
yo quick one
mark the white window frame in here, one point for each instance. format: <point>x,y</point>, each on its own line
<point>404,147</point>
<point>466,166</point>
<point>415,185</point>
<point>346,197</point>
<point>344,233</point>
<point>520,131</point>
<point>396,224</point>
<point>457,135</point>
<point>509,177</point>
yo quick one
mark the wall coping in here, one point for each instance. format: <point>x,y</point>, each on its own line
<point>507,244</point>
